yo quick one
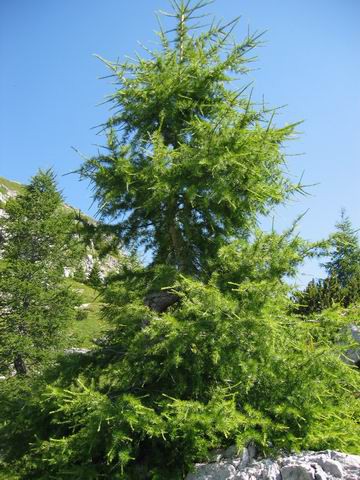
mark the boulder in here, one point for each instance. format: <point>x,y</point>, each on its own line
<point>300,471</point>
<point>214,471</point>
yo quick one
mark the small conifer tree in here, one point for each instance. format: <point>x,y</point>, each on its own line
<point>34,301</point>
<point>95,275</point>
<point>342,285</point>
<point>344,252</point>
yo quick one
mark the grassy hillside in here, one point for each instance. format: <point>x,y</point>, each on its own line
<point>4,182</point>
<point>82,331</point>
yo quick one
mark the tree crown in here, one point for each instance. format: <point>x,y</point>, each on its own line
<point>344,251</point>
<point>191,161</point>
<point>35,302</point>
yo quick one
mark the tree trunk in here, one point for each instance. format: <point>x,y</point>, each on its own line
<point>19,365</point>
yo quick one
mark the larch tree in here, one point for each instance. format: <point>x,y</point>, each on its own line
<point>191,162</point>
<point>190,165</point>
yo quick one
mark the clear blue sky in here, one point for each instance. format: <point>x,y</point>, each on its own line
<point>49,89</point>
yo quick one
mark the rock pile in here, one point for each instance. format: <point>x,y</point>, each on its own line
<point>327,465</point>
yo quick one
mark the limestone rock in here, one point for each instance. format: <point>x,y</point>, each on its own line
<point>213,471</point>
<point>320,474</point>
<point>331,467</point>
<point>353,355</point>
<point>327,465</point>
<point>231,452</point>
<point>83,306</point>
<point>297,472</point>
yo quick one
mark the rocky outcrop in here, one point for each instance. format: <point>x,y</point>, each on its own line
<point>327,465</point>
<point>107,264</point>
<point>5,194</point>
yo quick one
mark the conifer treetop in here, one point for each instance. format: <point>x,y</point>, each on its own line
<point>344,251</point>
<point>190,161</point>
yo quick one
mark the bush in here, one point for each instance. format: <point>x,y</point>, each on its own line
<point>81,314</point>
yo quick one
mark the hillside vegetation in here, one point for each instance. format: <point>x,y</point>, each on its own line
<point>88,325</point>
<point>11,185</point>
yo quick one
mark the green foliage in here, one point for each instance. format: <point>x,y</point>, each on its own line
<point>318,295</point>
<point>95,276</point>
<point>81,334</point>
<point>81,314</point>
<point>190,166</point>
<point>79,274</point>
<point>342,285</point>
<point>344,252</point>
<point>35,303</point>
<point>190,160</point>
<point>165,389</point>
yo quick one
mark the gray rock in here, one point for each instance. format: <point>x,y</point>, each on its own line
<point>332,467</point>
<point>272,472</point>
<point>320,474</point>
<point>161,301</point>
<point>83,306</point>
<point>246,458</point>
<point>326,465</point>
<point>353,355</point>
<point>216,455</point>
<point>265,470</point>
<point>68,272</point>
<point>251,451</point>
<point>297,472</point>
<point>213,471</point>
<point>349,462</point>
<point>231,452</point>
